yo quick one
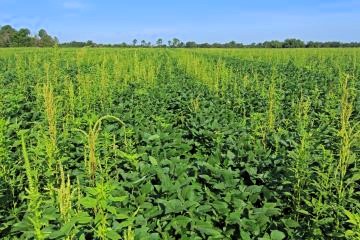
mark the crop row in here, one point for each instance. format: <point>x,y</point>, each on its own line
<point>179,144</point>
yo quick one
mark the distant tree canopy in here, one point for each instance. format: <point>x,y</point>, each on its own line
<point>176,43</point>
<point>10,37</point>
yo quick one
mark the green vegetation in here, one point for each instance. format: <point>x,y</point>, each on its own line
<point>179,144</point>
<point>10,37</point>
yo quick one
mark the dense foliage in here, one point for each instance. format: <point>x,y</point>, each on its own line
<point>176,43</point>
<point>179,144</point>
<point>10,37</point>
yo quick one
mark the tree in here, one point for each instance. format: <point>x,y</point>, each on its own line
<point>231,44</point>
<point>217,45</point>
<point>293,43</point>
<point>204,45</point>
<point>23,38</point>
<point>45,39</point>
<point>272,44</point>
<point>175,42</point>
<point>190,44</point>
<point>56,41</point>
<point>10,37</point>
<point>42,33</point>
<point>159,42</point>
<point>7,34</point>
<point>312,44</point>
<point>90,43</point>
<point>134,42</point>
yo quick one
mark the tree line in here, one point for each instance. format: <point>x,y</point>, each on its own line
<point>10,37</point>
<point>176,43</point>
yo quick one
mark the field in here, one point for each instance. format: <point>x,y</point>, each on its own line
<point>179,144</point>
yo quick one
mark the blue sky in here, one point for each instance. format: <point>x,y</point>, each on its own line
<point>114,21</point>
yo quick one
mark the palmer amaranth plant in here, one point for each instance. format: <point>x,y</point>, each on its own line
<point>179,144</point>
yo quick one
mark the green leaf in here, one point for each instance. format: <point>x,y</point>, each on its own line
<point>303,212</point>
<point>118,226</point>
<point>277,235</point>
<point>290,223</point>
<point>173,206</point>
<point>111,209</point>
<point>147,188</point>
<point>250,225</point>
<point>154,137</point>
<point>121,216</point>
<point>118,199</point>
<point>50,214</point>
<point>83,218</point>
<point>230,155</point>
<point>111,234</point>
<point>152,212</point>
<point>325,221</point>
<point>153,161</point>
<point>22,226</point>
<point>207,228</point>
<point>64,230</point>
<point>88,202</point>
<point>245,235</point>
<point>355,177</point>
<point>220,206</point>
<point>181,221</point>
<point>204,208</point>
<point>219,186</point>
<point>234,217</point>
<point>349,233</point>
